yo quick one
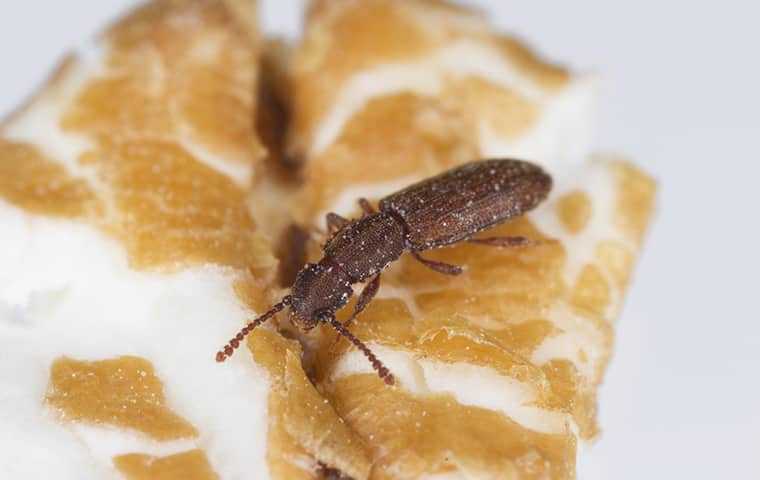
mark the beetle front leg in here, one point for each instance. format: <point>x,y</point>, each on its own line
<point>440,267</point>
<point>368,293</point>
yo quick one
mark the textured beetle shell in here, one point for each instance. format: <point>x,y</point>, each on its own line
<point>320,287</point>
<point>366,246</point>
<point>456,204</point>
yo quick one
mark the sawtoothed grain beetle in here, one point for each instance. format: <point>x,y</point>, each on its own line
<point>437,212</point>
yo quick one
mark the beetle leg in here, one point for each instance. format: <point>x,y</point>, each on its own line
<point>368,293</point>
<point>440,267</point>
<point>381,370</point>
<point>506,242</point>
<point>367,207</point>
<point>335,222</point>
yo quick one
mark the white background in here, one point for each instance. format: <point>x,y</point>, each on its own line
<point>681,94</point>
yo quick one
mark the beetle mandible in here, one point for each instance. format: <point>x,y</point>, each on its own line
<point>433,213</point>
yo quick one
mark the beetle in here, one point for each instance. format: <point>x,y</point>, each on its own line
<point>437,212</point>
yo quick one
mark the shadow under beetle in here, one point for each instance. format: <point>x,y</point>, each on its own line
<point>433,213</point>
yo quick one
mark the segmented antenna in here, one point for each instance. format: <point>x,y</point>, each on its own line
<point>234,343</point>
<point>386,375</point>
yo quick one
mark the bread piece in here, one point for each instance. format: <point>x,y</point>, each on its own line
<point>129,256</point>
<point>141,205</point>
<point>498,368</point>
<point>417,86</point>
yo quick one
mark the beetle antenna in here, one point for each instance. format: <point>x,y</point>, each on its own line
<point>234,343</point>
<point>382,371</point>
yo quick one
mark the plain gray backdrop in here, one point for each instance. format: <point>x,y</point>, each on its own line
<point>680,95</point>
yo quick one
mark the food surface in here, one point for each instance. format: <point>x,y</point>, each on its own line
<point>145,195</point>
<point>128,253</point>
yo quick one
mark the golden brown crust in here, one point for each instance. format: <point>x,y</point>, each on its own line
<point>413,436</point>
<point>190,465</point>
<point>179,70</point>
<point>506,306</point>
<point>35,183</point>
<point>162,133</point>
<point>200,217</point>
<point>636,199</point>
<point>481,101</point>
<point>393,137</point>
<point>302,423</point>
<point>245,12</point>
<point>539,316</point>
<point>574,211</point>
<point>177,111</point>
<point>122,392</point>
<point>548,75</point>
<point>437,116</point>
<point>344,38</point>
<point>341,39</point>
<point>179,85</point>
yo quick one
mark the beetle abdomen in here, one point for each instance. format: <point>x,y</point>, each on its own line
<point>456,204</point>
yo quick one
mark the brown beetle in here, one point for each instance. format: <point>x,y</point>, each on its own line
<point>440,211</point>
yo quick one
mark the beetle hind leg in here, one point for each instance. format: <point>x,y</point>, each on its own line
<point>440,267</point>
<point>506,242</point>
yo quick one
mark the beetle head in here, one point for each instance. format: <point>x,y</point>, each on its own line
<point>318,290</point>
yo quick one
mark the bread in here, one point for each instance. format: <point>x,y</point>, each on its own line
<point>144,195</point>
<point>126,240</point>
